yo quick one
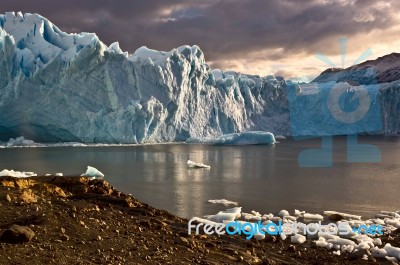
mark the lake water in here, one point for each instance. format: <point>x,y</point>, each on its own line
<point>262,178</point>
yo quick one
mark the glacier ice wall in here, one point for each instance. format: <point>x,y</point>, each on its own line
<point>71,87</point>
<point>56,86</point>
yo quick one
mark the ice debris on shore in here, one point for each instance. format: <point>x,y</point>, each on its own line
<point>16,174</point>
<point>193,164</point>
<point>93,172</point>
<point>338,244</point>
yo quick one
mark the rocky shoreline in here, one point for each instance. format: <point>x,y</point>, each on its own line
<point>77,220</point>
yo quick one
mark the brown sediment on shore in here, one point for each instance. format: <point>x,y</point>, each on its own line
<point>75,220</point>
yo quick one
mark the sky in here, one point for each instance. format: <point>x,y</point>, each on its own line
<point>280,37</point>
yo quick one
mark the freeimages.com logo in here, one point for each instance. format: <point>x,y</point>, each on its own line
<point>349,105</point>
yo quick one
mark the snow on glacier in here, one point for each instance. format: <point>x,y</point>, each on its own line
<point>60,87</point>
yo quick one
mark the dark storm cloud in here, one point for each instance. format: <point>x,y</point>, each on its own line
<point>224,29</point>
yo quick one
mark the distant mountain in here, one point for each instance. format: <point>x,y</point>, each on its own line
<point>385,69</point>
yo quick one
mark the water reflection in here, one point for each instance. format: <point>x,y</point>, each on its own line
<point>263,178</point>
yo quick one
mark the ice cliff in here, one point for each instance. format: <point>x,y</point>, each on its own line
<point>71,87</point>
<point>56,86</point>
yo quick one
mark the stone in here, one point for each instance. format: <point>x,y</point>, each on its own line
<point>17,234</point>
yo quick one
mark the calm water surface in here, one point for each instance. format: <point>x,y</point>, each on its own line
<point>262,178</point>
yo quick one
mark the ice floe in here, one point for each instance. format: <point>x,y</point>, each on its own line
<point>193,164</point>
<point>224,202</point>
<point>93,172</point>
<point>16,174</point>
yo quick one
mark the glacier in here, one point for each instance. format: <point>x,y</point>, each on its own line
<point>60,87</point>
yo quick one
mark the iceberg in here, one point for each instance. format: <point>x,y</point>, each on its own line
<point>192,164</point>
<point>93,172</point>
<point>244,138</point>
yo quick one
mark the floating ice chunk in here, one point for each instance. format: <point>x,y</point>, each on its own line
<point>250,217</point>
<point>389,213</point>
<point>204,221</point>
<point>383,216</point>
<point>16,174</point>
<point>59,174</point>
<point>315,217</point>
<point>334,214</point>
<point>394,222</point>
<point>337,253</point>
<point>227,215</point>
<point>192,164</point>
<point>224,202</point>
<point>47,175</point>
<point>283,213</point>
<point>298,213</point>
<point>244,138</point>
<point>19,141</point>
<point>365,257</point>
<point>93,172</point>
<point>298,239</point>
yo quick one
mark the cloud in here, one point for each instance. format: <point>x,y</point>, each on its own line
<point>245,35</point>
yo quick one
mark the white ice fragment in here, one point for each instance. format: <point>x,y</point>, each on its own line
<point>394,222</point>
<point>392,251</point>
<point>329,246</point>
<point>224,202</point>
<point>298,239</point>
<point>283,213</point>
<point>379,253</point>
<point>377,241</point>
<point>362,246</point>
<point>193,164</point>
<point>316,217</point>
<point>331,214</point>
<point>298,213</point>
<point>336,253</point>
<point>16,174</point>
<point>93,172</point>
<point>59,174</point>
<point>227,215</point>
<point>392,259</point>
<point>341,241</point>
